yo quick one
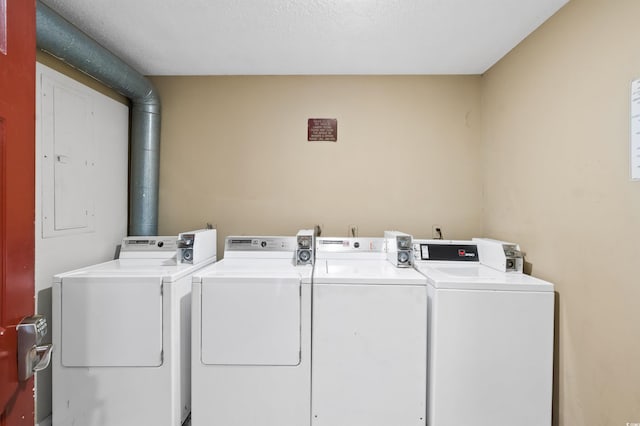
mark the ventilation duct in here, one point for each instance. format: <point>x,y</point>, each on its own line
<point>61,39</point>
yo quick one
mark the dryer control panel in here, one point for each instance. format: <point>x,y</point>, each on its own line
<point>156,247</point>
<point>149,244</point>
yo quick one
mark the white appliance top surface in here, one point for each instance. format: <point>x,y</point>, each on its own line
<point>474,276</point>
<point>254,268</point>
<point>167,269</point>
<point>349,271</point>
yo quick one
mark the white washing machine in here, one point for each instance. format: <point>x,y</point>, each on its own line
<point>490,337</point>
<point>369,336</point>
<point>121,334</point>
<point>251,353</point>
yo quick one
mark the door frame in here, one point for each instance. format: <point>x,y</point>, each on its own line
<point>17,201</point>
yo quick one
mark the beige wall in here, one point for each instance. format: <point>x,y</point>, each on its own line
<point>550,153</point>
<point>546,164</point>
<point>556,179</point>
<point>234,153</point>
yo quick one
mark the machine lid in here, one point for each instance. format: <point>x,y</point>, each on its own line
<point>256,267</point>
<point>373,272</point>
<point>167,270</point>
<point>253,275</point>
<point>467,276</point>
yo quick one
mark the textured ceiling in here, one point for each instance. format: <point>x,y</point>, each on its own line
<point>284,37</point>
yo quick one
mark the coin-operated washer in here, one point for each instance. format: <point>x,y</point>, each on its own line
<point>121,333</point>
<point>490,335</point>
<point>369,334</point>
<point>251,353</point>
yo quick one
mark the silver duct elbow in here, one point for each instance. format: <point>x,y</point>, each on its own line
<point>61,39</point>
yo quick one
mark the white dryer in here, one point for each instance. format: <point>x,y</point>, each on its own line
<point>251,353</point>
<point>490,338</point>
<point>369,333</point>
<point>121,335</point>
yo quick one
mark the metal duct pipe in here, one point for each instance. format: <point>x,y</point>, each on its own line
<point>60,38</point>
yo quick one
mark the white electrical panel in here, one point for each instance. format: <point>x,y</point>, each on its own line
<point>67,160</point>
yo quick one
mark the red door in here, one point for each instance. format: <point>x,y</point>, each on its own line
<point>17,208</point>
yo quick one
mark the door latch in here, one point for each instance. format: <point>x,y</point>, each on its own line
<point>32,356</point>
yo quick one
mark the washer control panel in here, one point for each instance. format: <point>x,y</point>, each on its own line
<point>350,245</point>
<point>439,250</point>
<point>260,244</point>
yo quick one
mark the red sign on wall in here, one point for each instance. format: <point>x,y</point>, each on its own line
<point>322,130</point>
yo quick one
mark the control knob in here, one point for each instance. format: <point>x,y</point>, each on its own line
<point>304,256</point>
<point>403,257</point>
